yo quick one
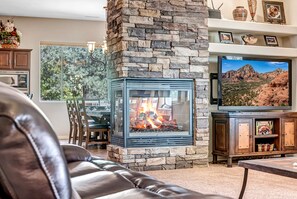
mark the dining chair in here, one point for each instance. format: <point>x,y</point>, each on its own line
<point>71,109</point>
<point>90,132</point>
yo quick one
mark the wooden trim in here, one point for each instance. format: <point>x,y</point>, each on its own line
<point>73,44</point>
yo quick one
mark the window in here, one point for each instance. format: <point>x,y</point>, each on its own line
<point>68,71</point>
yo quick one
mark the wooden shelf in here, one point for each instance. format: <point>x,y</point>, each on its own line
<point>255,28</point>
<point>267,136</point>
<point>236,49</point>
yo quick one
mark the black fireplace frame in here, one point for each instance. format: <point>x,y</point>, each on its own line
<point>126,84</point>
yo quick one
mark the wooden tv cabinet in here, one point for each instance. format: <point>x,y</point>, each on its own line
<point>242,134</point>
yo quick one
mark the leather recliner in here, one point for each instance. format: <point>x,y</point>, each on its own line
<point>33,165</point>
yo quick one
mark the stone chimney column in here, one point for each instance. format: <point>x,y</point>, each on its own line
<point>163,39</point>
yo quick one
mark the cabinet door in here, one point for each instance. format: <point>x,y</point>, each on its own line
<point>5,59</point>
<point>220,135</point>
<point>243,136</point>
<point>288,134</point>
<point>21,60</point>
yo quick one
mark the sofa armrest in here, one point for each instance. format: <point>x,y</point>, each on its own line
<point>76,153</point>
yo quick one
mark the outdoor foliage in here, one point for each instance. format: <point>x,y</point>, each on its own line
<point>68,72</point>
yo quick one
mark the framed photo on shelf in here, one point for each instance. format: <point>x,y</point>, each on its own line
<point>226,37</point>
<point>270,40</point>
<point>264,127</point>
<point>274,12</point>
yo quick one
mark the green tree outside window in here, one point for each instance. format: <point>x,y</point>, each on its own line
<point>68,71</point>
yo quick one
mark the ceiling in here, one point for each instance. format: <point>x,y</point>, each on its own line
<point>61,9</point>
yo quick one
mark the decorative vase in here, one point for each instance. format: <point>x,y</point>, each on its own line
<point>253,8</point>
<point>240,13</point>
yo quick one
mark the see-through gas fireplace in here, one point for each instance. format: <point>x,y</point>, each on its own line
<point>151,112</point>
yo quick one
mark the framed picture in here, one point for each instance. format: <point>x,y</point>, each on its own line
<point>226,37</point>
<point>270,40</point>
<point>274,12</point>
<point>264,127</point>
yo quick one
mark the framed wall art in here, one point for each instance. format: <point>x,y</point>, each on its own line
<point>274,12</point>
<point>226,37</point>
<point>270,40</point>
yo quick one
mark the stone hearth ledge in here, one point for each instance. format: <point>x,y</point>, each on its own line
<point>160,158</point>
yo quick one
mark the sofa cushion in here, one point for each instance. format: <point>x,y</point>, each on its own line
<point>100,183</point>
<point>131,194</point>
<point>131,175</point>
<point>81,168</point>
<point>76,153</point>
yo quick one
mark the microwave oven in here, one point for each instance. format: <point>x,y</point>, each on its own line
<point>16,79</point>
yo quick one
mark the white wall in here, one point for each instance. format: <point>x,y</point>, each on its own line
<point>36,30</point>
<point>290,11</point>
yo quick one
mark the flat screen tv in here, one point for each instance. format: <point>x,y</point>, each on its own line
<point>252,84</point>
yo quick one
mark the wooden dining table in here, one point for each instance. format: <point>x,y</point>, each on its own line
<point>100,114</point>
<point>101,117</point>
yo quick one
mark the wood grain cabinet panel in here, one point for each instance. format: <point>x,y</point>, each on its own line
<point>15,59</point>
<point>288,134</point>
<point>22,60</point>
<point>243,136</point>
<point>6,59</point>
<point>220,138</point>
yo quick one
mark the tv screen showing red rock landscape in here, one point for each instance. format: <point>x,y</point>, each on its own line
<point>256,83</point>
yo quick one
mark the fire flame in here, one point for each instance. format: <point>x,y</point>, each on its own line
<point>152,118</point>
<point>152,124</point>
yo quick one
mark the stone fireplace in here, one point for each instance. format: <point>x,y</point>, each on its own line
<point>156,41</point>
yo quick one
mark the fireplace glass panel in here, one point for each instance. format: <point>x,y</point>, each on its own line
<point>118,116</point>
<point>159,113</point>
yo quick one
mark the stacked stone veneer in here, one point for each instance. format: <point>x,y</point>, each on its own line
<point>162,39</point>
<point>159,158</point>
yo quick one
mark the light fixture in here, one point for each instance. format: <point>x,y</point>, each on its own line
<point>104,46</point>
<point>91,48</point>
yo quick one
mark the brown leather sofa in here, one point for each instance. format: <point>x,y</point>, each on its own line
<point>33,165</point>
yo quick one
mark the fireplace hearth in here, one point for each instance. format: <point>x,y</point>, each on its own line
<point>152,112</point>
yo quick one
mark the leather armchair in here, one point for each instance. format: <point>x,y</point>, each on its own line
<point>33,165</point>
